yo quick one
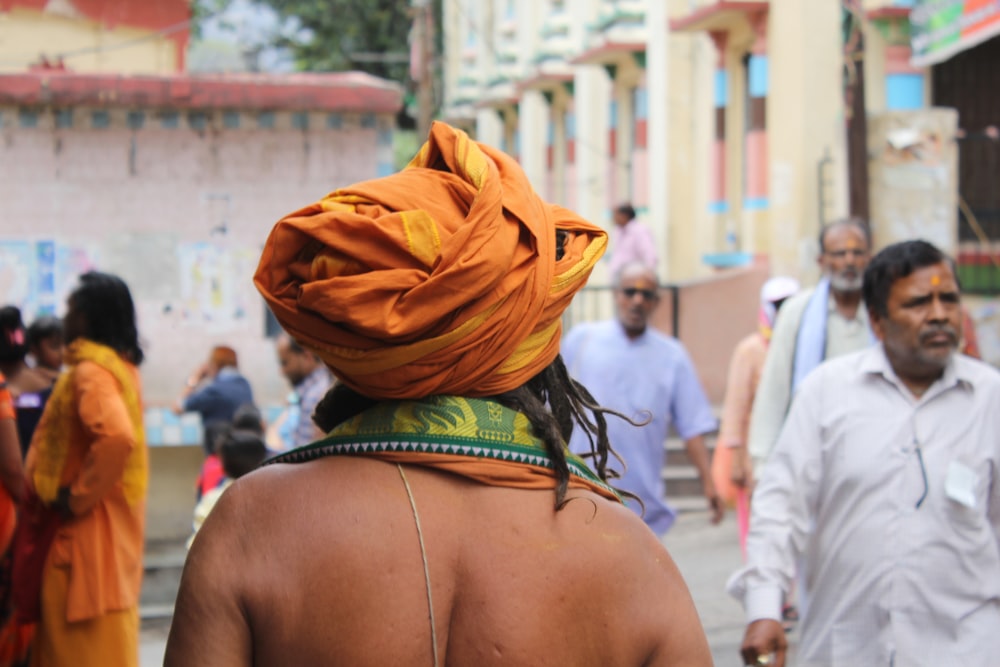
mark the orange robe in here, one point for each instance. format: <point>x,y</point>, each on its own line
<point>93,573</point>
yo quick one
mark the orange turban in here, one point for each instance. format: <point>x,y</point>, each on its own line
<point>440,279</point>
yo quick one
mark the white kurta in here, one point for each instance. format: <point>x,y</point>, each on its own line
<point>885,581</point>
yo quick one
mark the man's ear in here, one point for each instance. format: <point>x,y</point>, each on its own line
<point>878,324</point>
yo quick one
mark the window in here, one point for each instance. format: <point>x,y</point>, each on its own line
<point>64,118</point>
<point>169,120</point>
<point>100,120</point>
<point>27,118</point>
<point>197,120</point>
<point>136,119</point>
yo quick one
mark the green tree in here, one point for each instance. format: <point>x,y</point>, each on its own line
<point>335,35</point>
<point>371,36</point>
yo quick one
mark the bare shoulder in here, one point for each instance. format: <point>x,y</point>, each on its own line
<point>592,569</point>
<point>588,584</point>
<point>248,557</point>
<point>646,586</point>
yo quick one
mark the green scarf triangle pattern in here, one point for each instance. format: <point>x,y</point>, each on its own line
<point>451,425</point>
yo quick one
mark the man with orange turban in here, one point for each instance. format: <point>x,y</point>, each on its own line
<point>435,297</point>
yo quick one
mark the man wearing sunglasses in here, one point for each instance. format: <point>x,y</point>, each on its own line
<point>817,324</point>
<point>884,488</point>
<point>647,376</point>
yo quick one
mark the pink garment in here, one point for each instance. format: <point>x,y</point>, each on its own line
<point>211,475</point>
<point>633,241</point>
<point>745,368</point>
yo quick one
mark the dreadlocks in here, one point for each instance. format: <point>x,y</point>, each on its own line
<point>569,403</point>
<point>552,401</point>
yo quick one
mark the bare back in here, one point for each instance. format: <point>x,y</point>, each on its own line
<point>320,564</point>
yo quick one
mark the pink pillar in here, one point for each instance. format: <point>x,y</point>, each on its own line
<point>718,203</point>
<point>755,189</point>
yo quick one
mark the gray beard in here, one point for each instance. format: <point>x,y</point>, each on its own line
<point>842,284</point>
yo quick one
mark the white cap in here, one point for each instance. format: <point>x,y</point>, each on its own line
<point>778,288</point>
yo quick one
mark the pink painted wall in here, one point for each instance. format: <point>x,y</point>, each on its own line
<point>715,314</point>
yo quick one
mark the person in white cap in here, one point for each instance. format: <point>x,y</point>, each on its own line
<point>731,469</point>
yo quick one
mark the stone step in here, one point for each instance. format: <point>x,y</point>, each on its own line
<point>677,454</point>
<point>688,504</point>
<point>682,481</point>
<point>163,563</point>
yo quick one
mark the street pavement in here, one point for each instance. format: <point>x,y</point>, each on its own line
<point>705,554</point>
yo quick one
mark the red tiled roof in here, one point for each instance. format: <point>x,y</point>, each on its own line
<point>336,91</point>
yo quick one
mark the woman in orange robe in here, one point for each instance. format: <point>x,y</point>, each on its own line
<point>88,460</point>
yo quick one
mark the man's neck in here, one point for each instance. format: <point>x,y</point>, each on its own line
<point>917,386</point>
<point>847,302</point>
<point>632,334</point>
<point>918,383</point>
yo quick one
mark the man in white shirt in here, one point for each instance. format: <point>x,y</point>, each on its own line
<point>814,325</point>
<point>884,485</point>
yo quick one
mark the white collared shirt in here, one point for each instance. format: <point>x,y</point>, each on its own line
<point>884,581</point>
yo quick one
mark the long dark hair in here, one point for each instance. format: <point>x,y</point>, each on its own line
<point>553,402</point>
<point>106,304</point>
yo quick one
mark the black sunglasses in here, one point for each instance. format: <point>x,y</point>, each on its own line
<point>647,294</point>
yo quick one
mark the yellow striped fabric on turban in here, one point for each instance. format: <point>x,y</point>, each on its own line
<point>440,279</point>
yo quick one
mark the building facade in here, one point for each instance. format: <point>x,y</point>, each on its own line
<point>173,183</point>
<point>727,123</point>
<point>110,36</point>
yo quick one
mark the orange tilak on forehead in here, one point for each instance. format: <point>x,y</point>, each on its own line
<point>936,279</point>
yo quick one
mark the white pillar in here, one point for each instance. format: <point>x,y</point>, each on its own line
<point>592,94</point>
<point>533,115</point>
<point>557,110</point>
<point>658,124</point>
<point>625,142</point>
<point>489,127</point>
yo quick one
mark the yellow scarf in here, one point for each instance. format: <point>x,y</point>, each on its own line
<point>54,431</point>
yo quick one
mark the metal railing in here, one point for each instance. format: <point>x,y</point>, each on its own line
<point>596,302</point>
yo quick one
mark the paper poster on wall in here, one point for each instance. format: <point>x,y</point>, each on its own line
<point>17,268</point>
<point>37,275</point>
<point>216,284</point>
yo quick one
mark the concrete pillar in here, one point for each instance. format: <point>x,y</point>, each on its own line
<point>489,127</point>
<point>624,139</point>
<point>905,86</point>
<point>533,118</point>
<point>592,92</point>
<point>805,107</point>
<point>755,189</point>
<point>658,138</point>
<point>557,112</point>
<point>718,203</point>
